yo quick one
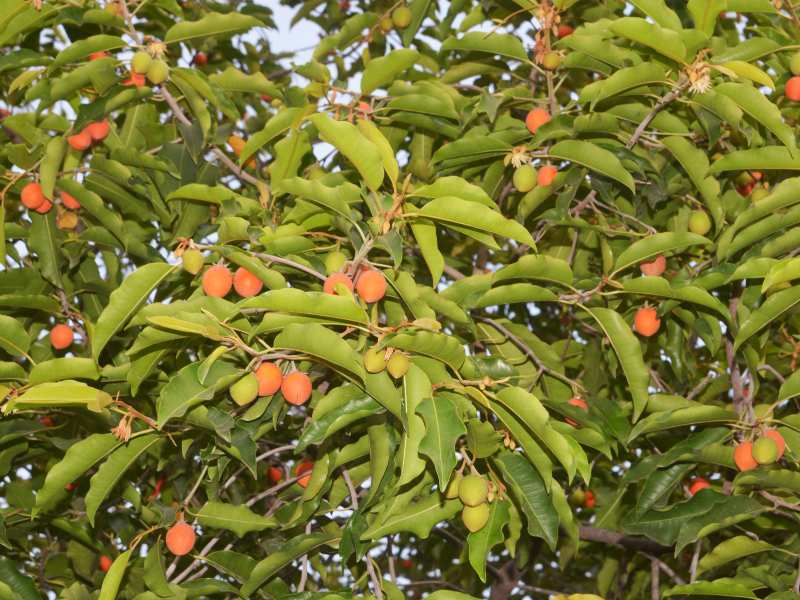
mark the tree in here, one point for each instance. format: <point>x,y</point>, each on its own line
<point>480,299</point>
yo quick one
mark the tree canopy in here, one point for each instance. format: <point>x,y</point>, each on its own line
<point>472,299</point>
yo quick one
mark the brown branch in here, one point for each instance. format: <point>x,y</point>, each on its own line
<point>613,538</point>
<point>376,584</point>
<point>660,105</point>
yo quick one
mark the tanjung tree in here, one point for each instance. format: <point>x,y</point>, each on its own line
<point>472,299</point>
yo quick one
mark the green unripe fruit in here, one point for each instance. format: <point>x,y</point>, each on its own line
<point>398,365</point>
<point>758,193</point>
<point>551,61</point>
<point>141,62</point>
<point>452,488</point>
<point>386,24</point>
<point>794,64</point>
<point>334,261</point>
<point>577,498</point>
<point>374,361</point>
<point>473,490</point>
<point>192,261</point>
<point>742,179</point>
<point>158,72</point>
<point>525,178</point>
<point>699,222</point>
<point>401,17</point>
<point>765,451</point>
<point>245,390</point>
<point>475,517</point>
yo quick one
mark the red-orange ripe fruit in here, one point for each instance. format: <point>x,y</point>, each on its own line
<point>330,283</point>
<point>246,284</point>
<point>32,196</point>
<point>564,30</point>
<point>136,79</point>
<point>269,378</point>
<point>97,55</point>
<point>201,59</point>
<point>580,403</point>
<point>61,336</point>
<point>158,487</point>
<point>655,268</point>
<point>296,388</point>
<point>589,501</point>
<point>70,486</point>
<point>792,90</point>
<point>646,321</point>
<point>274,474</point>
<point>757,175</point>
<point>105,563</point>
<point>547,175</point>
<point>98,130</point>
<point>743,456</point>
<point>44,207</point>
<point>536,118</point>
<point>697,484</point>
<point>80,141</point>
<point>181,538</point>
<point>778,439</point>
<point>304,467</point>
<point>371,286</point>
<point>69,201</point>
<point>217,281</point>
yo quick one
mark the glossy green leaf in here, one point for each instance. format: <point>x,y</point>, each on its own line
<point>236,518</point>
<point>595,158</point>
<point>443,427</point>
<point>212,24</point>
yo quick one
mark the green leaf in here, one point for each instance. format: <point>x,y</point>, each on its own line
<point>57,369</point>
<point>428,243</point>
<point>374,135</point>
<point>709,588</point>
<point>83,48</point>
<point>755,104</point>
<point>623,80</point>
<point>280,123</point>
<point>734,548</point>
<point>482,541</point>
<point>113,468</point>
<point>664,526</point>
<point>354,410</point>
<point>695,162</point>
<point>772,308</point>
<point>13,337</point>
<point>234,80</point>
<point>336,198</point>
<point>455,211</point>
<point>385,69</point>
<point>348,140</point>
<point>595,158</point>
<point>213,194</point>
<point>664,41</point>
<point>500,44</point>
<point>51,164</point>
<point>125,301</point>
<point>184,390</point>
<point>231,563</point>
<point>659,12</point>
<point>63,394</point>
<point>21,585</point>
<point>629,352</point>
<point>79,458</point>
<point>155,577</point>
<point>531,495</point>
<point>236,518</point>
<point>543,267</point>
<point>653,245</point>
<point>705,12</point>
<point>443,427</point>
<point>289,551</point>
<point>113,578</point>
<point>682,417</point>
<point>660,287</point>
<point>312,304</point>
<point>727,512</point>
<point>323,344</point>
<point>514,293</point>
<point>417,518</point>
<point>748,71</point>
<point>445,348</point>
<point>764,158</point>
<point>213,24</point>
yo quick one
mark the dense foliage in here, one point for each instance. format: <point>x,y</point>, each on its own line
<point>473,299</point>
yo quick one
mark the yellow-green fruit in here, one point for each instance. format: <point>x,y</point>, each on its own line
<point>334,261</point>
<point>158,72</point>
<point>551,61</point>
<point>743,178</point>
<point>245,390</point>
<point>473,490</point>
<point>525,178</point>
<point>758,193</point>
<point>699,222</point>
<point>794,63</point>
<point>374,361</point>
<point>398,365</point>
<point>401,17</point>
<point>386,24</point>
<point>577,498</point>
<point>475,517</point>
<point>192,261</point>
<point>452,488</point>
<point>141,62</point>
<point>765,451</point>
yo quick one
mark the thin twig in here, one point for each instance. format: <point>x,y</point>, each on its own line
<point>655,581</point>
<point>695,560</point>
<point>663,102</point>
<point>376,584</point>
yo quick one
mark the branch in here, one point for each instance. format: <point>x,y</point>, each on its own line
<point>376,584</point>
<point>663,102</point>
<point>613,538</point>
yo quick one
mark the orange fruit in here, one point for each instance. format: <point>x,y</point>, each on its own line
<point>181,538</point>
<point>792,90</point>
<point>778,439</point>
<point>80,141</point>
<point>580,403</point>
<point>654,268</point>
<point>97,55</point>
<point>564,31</point>
<point>697,484</point>
<point>329,287</point>
<point>201,59</point>
<point>98,130</point>
<point>69,201</point>
<point>61,336</point>
<point>547,175</point>
<point>217,281</point>
<point>296,388</point>
<point>589,500</point>
<point>269,378</point>
<point>44,207</point>
<point>371,286</point>
<point>274,474</point>
<point>246,284</point>
<point>646,321</point>
<point>136,79</point>
<point>32,196</point>
<point>536,118</point>
<point>743,456</point>
<point>304,467</point>
<point>105,563</point>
